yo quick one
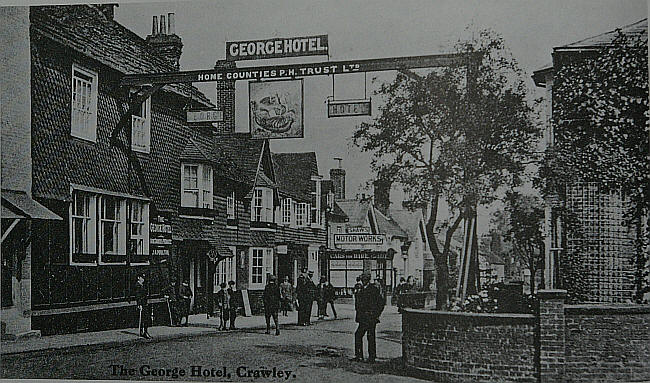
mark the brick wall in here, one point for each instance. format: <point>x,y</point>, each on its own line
<point>607,343</point>
<point>464,347</point>
<point>579,343</point>
<point>226,100</point>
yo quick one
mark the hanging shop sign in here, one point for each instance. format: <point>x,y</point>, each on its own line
<point>277,47</point>
<point>358,239</point>
<point>276,109</point>
<point>207,115</point>
<point>347,108</point>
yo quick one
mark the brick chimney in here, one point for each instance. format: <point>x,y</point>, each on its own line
<point>164,41</point>
<point>108,10</point>
<point>337,175</point>
<point>226,99</point>
<point>382,194</point>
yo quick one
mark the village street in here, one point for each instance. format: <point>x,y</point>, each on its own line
<point>319,352</point>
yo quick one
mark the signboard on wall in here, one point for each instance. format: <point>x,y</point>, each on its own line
<point>348,108</point>
<point>276,109</point>
<point>357,230</point>
<point>276,48</point>
<point>358,239</point>
<point>160,238</point>
<point>356,255</point>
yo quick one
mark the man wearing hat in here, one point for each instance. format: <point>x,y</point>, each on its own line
<point>186,297</point>
<point>369,305</point>
<point>272,304</point>
<point>303,297</point>
<point>312,291</point>
<point>144,313</point>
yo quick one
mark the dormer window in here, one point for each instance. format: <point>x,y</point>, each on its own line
<point>262,205</point>
<point>196,186</point>
<point>302,214</point>
<point>141,127</point>
<point>286,211</point>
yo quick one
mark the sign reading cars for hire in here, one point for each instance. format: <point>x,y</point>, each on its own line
<point>276,109</point>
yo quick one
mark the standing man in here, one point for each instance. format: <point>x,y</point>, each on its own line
<point>186,297</point>
<point>369,306</point>
<point>234,303</point>
<point>144,313</point>
<point>272,304</point>
<point>303,298</point>
<point>223,305</point>
<point>311,292</point>
<point>286,295</point>
<point>320,298</point>
<point>330,296</point>
<point>172,298</point>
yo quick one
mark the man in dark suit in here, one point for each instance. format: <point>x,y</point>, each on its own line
<point>235,297</point>
<point>272,304</point>
<point>186,297</point>
<point>144,313</point>
<point>369,305</point>
<point>302,294</point>
<point>312,291</point>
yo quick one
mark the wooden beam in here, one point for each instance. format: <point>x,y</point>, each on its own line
<point>6,233</point>
<point>303,70</point>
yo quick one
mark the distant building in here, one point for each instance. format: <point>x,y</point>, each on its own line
<point>607,243</point>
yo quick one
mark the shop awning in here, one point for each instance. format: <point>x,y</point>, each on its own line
<point>18,204</point>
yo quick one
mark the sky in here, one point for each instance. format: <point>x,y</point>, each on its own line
<point>371,29</point>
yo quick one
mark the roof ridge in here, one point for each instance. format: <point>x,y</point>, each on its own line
<point>603,33</point>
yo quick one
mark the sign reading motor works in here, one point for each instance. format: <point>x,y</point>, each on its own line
<point>358,239</point>
<point>275,48</point>
<point>348,108</point>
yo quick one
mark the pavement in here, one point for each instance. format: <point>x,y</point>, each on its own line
<point>199,325</point>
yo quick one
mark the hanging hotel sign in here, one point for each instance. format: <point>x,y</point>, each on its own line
<point>277,47</point>
<point>358,239</point>
<point>347,108</point>
<point>206,115</point>
<point>276,109</point>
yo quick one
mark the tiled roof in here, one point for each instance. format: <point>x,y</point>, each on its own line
<point>640,28</point>
<point>408,220</point>
<point>494,259</point>
<point>356,210</point>
<point>293,173</point>
<point>388,226</point>
<point>85,29</point>
<point>338,211</point>
<point>242,152</point>
<point>192,151</point>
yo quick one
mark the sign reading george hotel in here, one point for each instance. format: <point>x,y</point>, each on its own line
<point>358,239</point>
<point>275,48</point>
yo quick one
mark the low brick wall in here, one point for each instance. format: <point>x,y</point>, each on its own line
<point>607,343</point>
<point>465,347</point>
<point>560,343</point>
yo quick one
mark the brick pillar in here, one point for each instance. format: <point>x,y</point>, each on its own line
<point>226,99</point>
<point>551,338</point>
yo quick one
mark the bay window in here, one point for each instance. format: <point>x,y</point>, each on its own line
<point>98,228</point>
<point>196,186</point>
<point>262,205</point>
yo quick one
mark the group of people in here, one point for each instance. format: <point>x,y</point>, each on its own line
<point>178,304</point>
<point>226,303</point>
<point>284,297</point>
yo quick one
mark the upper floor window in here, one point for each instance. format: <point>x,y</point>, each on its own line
<point>262,205</point>
<point>302,214</point>
<point>84,104</point>
<point>196,186</point>
<point>141,128</point>
<point>286,211</point>
<point>230,205</point>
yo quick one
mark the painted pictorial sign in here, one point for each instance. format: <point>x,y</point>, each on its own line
<point>276,48</point>
<point>276,109</point>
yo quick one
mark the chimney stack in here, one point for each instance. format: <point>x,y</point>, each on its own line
<point>337,175</point>
<point>108,10</point>
<point>382,194</point>
<point>166,45</point>
<point>226,99</point>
